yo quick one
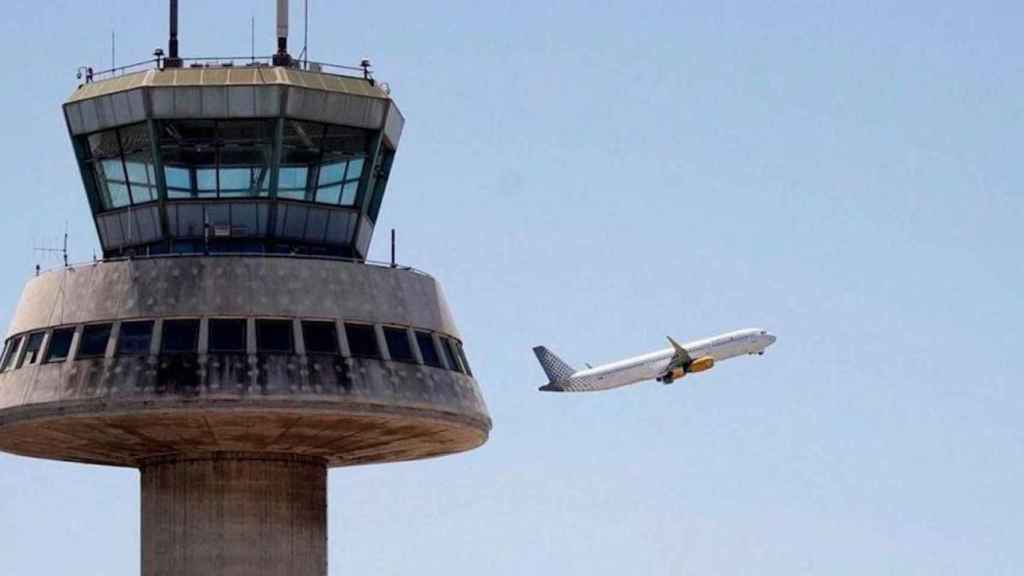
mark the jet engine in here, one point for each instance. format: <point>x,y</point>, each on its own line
<point>701,364</point>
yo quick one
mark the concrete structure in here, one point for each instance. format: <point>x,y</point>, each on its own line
<point>234,344</point>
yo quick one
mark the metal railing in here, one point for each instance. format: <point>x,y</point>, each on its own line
<point>260,255</point>
<point>89,75</point>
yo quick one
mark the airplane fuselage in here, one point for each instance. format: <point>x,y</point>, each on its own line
<point>657,364</point>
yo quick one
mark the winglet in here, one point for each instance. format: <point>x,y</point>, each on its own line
<point>682,356</point>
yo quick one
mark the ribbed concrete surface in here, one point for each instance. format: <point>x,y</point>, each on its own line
<point>234,514</point>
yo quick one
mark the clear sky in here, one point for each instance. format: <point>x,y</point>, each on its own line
<point>595,176</point>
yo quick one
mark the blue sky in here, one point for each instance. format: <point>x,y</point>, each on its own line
<point>594,176</point>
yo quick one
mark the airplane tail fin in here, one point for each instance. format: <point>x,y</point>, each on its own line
<point>556,368</point>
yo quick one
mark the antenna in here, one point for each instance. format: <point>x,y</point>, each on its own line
<point>305,36</point>
<point>46,250</point>
<point>252,37</point>
<point>113,50</point>
<point>173,61</point>
<point>281,58</point>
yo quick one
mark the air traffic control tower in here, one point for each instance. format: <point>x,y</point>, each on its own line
<point>234,343</point>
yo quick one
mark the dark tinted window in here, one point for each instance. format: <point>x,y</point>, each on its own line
<point>446,348</point>
<point>31,355</point>
<point>60,344</point>
<point>398,344</point>
<point>428,350</point>
<point>462,357</point>
<point>227,335</point>
<point>320,337</point>
<point>180,336</point>
<point>134,338</point>
<point>94,341</point>
<point>274,335</point>
<point>362,341</point>
<point>9,350</point>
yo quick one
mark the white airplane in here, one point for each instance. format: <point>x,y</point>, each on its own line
<point>664,366</point>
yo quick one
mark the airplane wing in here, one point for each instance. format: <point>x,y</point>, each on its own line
<point>682,357</point>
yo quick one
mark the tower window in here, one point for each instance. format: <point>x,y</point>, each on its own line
<point>274,336</point>
<point>227,335</point>
<point>60,345</point>
<point>94,341</point>
<point>320,337</point>
<point>32,347</point>
<point>428,350</point>
<point>9,351</point>
<point>180,336</point>
<point>450,355</point>
<point>462,357</point>
<point>134,338</point>
<point>362,340</point>
<point>398,344</point>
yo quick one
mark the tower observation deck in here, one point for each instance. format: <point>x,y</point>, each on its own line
<point>234,342</point>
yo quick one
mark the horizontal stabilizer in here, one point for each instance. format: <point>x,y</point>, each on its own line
<point>555,368</point>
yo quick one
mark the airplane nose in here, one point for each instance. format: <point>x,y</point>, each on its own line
<point>771,339</point>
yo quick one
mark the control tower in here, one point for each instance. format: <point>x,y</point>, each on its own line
<point>234,343</point>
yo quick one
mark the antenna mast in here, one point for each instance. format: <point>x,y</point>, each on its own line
<point>172,60</point>
<point>282,58</point>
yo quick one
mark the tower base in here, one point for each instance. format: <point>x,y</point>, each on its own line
<point>234,514</point>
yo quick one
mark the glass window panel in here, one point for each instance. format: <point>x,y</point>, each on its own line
<point>175,193</point>
<point>328,194</point>
<point>178,177</point>
<point>331,173</point>
<point>320,337</point>
<point>446,349</point>
<point>60,345</point>
<point>292,194</point>
<point>462,357</point>
<point>142,194</point>
<point>139,173</point>
<point>138,154</point>
<point>398,344</point>
<point>452,354</point>
<point>228,335</point>
<point>427,349</point>
<point>180,336</point>
<point>113,170</point>
<point>362,340</point>
<point>118,194</point>
<point>103,144</point>
<point>134,337</point>
<point>31,354</point>
<point>94,341</point>
<point>235,178</point>
<point>9,351</point>
<point>206,180</point>
<point>348,194</point>
<point>355,169</point>
<point>292,177</point>
<point>274,336</point>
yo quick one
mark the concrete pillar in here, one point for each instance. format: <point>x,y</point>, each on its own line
<point>234,514</point>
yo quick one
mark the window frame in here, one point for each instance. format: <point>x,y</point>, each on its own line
<point>38,352</point>
<point>79,355</point>
<point>270,321</point>
<point>120,337</point>
<point>48,357</point>
<point>349,326</point>
<point>411,359</point>
<point>334,333</point>
<point>429,337</point>
<point>169,322</point>
<point>211,349</point>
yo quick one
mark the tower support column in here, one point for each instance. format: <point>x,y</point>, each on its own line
<point>234,514</point>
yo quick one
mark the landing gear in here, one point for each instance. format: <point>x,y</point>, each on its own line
<point>761,353</point>
<point>666,380</point>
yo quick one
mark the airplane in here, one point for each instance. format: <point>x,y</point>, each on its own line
<point>665,366</point>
